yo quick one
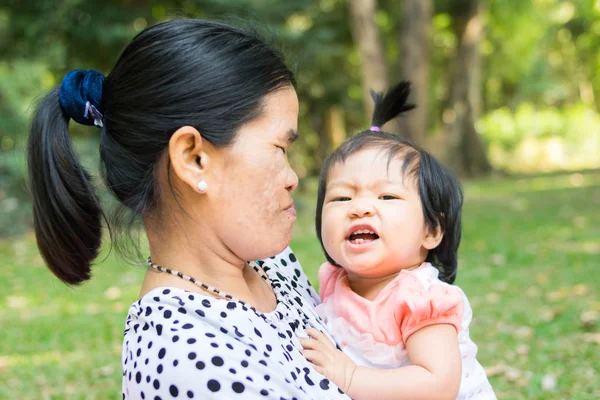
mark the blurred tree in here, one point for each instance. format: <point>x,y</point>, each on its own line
<point>466,154</point>
<point>414,31</point>
<point>366,36</point>
<point>539,59</point>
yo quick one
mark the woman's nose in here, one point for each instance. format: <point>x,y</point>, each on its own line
<point>292,180</point>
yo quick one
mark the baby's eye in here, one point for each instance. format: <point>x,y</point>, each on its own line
<point>341,198</point>
<point>282,149</point>
<point>388,197</point>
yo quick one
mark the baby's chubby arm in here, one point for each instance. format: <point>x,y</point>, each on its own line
<point>435,372</point>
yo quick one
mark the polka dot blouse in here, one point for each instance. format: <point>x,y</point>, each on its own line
<point>185,345</point>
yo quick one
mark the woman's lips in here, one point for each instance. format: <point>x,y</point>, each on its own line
<point>291,210</point>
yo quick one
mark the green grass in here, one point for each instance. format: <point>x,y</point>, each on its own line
<point>529,262</point>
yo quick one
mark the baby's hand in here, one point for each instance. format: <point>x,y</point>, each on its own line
<point>327,360</point>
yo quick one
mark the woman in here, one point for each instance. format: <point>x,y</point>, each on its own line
<point>195,119</point>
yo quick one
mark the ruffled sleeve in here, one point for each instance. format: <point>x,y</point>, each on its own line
<point>419,306</point>
<point>328,276</point>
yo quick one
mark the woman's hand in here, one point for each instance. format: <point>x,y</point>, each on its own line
<point>327,360</point>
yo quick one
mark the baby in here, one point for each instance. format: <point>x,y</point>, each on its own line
<point>389,220</point>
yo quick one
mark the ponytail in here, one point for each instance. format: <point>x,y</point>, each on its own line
<point>66,211</point>
<point>390,104</point>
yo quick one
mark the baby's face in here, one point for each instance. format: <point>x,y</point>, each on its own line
<point>373,222</point>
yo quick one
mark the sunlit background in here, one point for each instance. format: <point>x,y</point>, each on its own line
<point>508,95</point>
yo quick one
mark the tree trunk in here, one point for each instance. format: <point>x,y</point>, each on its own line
<point>415,27</point>
<point>466,152</point>
<point>322,148</point>
<point>335,126</point>
<point>374,69</point>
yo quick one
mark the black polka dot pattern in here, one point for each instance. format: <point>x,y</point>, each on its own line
<point>184,345</point>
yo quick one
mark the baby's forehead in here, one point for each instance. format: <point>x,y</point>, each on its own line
<point>381,170</point>
<point>378,160</point>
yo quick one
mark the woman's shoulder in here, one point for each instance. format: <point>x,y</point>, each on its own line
<point>166,311</point>
<point>176,341</point>
<point>285,263</point>
<point>286,270</point>
<point>181,342</point>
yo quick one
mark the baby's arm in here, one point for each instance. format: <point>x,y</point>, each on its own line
<point>435,372</point>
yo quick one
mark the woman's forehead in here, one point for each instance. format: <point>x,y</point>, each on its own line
<point>278,119</point>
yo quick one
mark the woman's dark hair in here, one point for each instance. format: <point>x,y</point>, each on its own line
<point>440,191</point>
<point>208,75</point>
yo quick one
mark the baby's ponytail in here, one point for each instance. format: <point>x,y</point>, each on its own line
<point>390,104</point>
<point>66,211</point>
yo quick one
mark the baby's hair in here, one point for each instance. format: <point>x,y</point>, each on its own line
<point>390,104</point>
<point>439,189</point>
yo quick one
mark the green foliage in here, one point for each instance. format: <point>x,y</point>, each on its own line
<point>527,261</point>
<point>19,83</point>
<point>544,54</point>
<point>543,139</point>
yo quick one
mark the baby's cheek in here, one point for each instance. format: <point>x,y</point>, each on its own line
<point>408,254</point>
<point>327,226</point>
<point>329,241</point>
<point>329,244</point>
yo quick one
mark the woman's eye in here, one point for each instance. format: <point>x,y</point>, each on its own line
<point>388,197</point>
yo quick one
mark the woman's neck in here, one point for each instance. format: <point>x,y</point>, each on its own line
<point>198,259</point>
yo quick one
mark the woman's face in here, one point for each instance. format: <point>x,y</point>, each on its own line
<point>251,198</point>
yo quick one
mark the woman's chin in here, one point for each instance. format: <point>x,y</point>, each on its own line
<point>269,251</point>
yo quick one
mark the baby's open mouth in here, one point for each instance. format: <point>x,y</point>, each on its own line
<point>362,236</point>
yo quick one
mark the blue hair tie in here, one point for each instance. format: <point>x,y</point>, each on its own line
<point>80,96</point>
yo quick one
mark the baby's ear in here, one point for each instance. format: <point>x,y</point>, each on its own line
<point>434,236</point>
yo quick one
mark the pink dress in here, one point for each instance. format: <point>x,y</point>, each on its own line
<point>373,333</point>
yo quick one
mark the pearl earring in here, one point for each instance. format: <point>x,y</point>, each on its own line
<point>202,186</point>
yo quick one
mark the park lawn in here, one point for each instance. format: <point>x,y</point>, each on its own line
<point>529,263</point>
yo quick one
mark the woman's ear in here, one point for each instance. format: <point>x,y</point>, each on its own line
<point>188,156</point>
<point>433,237</point>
